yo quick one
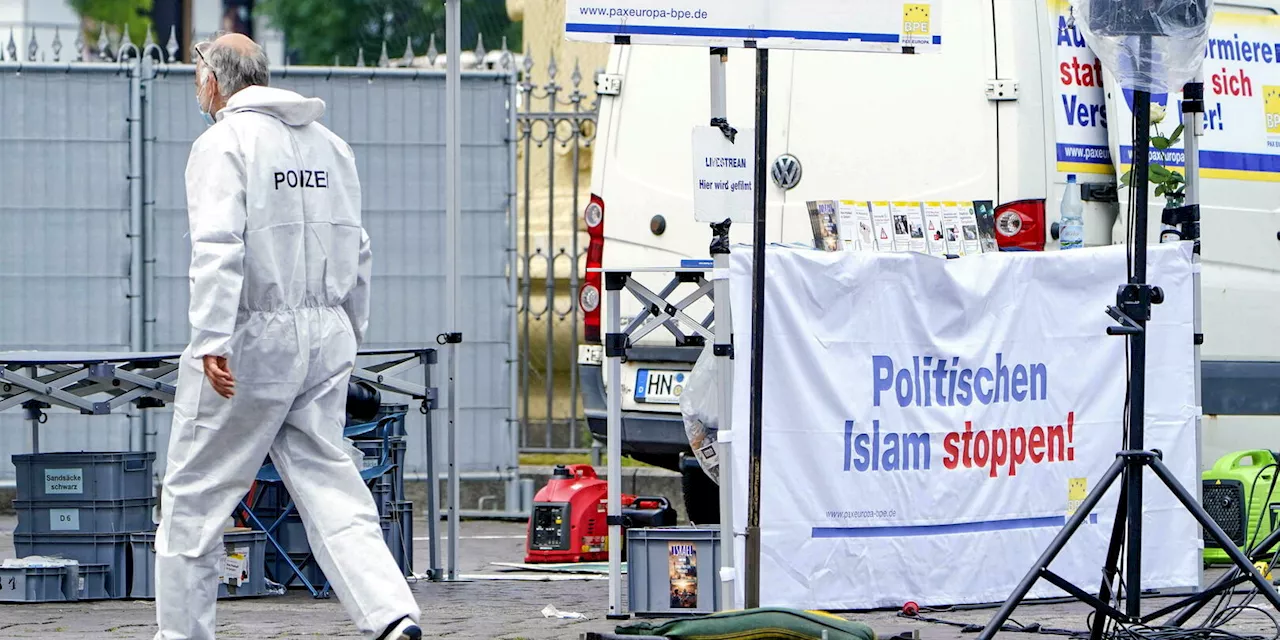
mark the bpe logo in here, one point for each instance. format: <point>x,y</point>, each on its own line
<point>1271,105</point>
<point>915,24</point>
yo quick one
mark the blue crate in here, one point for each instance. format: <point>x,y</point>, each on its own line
<point>254,579</point>
<point>82,476</point>
<point>110,549</point>
<point>395,428</point>
<point>92,582</point>
<point>400,538</point>
<point>33,584</point>
<point>96,516</point>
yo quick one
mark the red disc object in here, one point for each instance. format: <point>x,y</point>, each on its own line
<point>910,609</point>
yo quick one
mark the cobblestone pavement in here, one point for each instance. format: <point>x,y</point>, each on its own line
<point>477,608</point>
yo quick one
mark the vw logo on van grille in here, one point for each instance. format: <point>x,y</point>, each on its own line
<point>786,171</point>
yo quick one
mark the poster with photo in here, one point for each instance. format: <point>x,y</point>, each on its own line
<point>969,229</point>
<point>682,565</point>
<point>951,228</point>
<point>985,212</point>
<point>826,228</point>
<point>902,217</point>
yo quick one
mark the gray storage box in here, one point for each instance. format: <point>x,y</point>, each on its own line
<point>91,582</point>
<point>97,516</point>
<point>110,549</point>
<point>246,554</point>
<point>33,584</point>
<point>84,476</point>
<point>673,571</point>
<point>401,539</point>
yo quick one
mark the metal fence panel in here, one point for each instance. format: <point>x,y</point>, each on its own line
<point>64,231</point>
<point>64,246</point>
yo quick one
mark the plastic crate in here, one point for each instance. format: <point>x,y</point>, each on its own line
<point>401,539</point>
<point>292,535</point>
<point>91,582</point>
<point>251,582</point>
<point>98,516</point>
<point>33,584</point>
<point>673,571</point>
<point>110,549</point>
<point>84,476</point>
<point>396,428</point>
<point>281,573</point>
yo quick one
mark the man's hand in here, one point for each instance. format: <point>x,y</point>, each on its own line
<point>218,372</point>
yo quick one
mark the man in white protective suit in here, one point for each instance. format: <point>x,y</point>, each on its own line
<point>280,268</point>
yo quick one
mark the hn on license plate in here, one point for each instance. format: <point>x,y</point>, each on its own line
<point>660,387</point>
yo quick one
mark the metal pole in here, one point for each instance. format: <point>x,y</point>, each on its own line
<point>513,258</point>
<point>549,283</point>
<point>613,288</point>
<point>433,484</point>
<point>34,413</point>
<point>752,559</point>
<point>1138,355</point>
<point>137,311</point>
<point>1192,132</point>
<point>724,360</point>
<point>148,226</point>
<point>453,167</point>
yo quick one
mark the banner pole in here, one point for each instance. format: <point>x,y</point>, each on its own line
<point>752,556</point>
<point>723,351</point>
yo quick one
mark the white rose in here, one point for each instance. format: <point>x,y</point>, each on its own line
<point>1157,114</point>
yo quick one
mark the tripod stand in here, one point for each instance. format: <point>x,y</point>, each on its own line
<point>1132,311</point>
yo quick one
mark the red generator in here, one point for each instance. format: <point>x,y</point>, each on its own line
<point>569,524</point>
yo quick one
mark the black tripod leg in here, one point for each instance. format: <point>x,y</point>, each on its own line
<point>1260,551</point>
<point>1112,567</point>
<point>1197,510</point>
<point>1059,541</point>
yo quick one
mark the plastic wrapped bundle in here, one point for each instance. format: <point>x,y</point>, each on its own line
<point>1148,45</point>
<point>698,406</point>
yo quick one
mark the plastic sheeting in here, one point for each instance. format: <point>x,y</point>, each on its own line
<point>698,407</point>
<point>1149,45</point>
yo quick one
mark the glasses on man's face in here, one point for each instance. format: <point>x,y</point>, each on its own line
<point>200,53</point>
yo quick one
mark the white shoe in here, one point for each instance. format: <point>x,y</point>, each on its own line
<point>406,629</point>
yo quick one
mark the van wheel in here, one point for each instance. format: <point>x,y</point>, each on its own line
<point>701,494</point>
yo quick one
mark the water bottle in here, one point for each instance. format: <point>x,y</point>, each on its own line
<point>1071,229</point>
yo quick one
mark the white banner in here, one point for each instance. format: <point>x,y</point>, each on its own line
<point>929,424</point>
<point>849,25</point>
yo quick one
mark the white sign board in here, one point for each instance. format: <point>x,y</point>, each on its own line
<point>930,424</point>
<point>848,25</point>
<point>723,175</point>
<point>63,481</point>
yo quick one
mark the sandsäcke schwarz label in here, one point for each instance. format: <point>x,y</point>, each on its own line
<point>63,481</point>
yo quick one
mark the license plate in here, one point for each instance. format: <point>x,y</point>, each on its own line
<point>660,387</point>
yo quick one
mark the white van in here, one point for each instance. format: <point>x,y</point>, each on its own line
<point>1011,106</point>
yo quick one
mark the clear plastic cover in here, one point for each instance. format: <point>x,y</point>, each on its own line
<point>1148,45</point>
<point>698,407</point>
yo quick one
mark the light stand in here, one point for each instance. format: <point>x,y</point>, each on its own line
<point>1132,311</point>
<point>751,580</point>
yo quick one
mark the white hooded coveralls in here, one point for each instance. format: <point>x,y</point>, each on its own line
<point>280,267</point>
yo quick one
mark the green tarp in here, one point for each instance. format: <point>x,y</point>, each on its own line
<point>754,624</point>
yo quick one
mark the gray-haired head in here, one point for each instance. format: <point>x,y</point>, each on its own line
<point>234,61</point>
